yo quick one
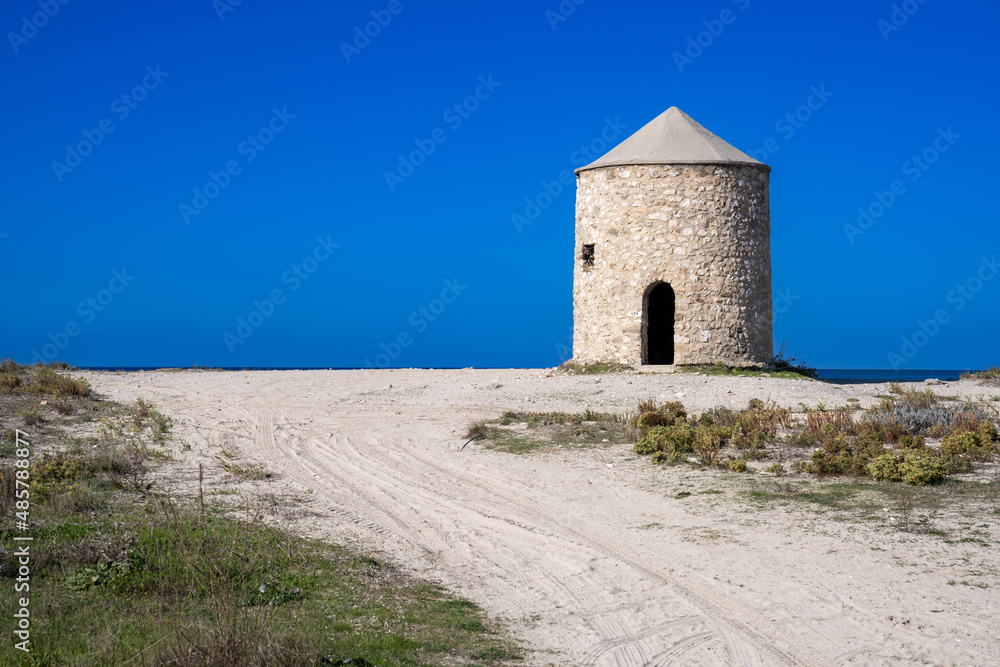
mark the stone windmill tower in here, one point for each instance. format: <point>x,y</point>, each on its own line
<point>673,251</point>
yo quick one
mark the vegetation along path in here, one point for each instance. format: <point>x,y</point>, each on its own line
<point>592,554</point>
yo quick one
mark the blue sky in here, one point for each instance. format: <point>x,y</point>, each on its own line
<point>219,153</point>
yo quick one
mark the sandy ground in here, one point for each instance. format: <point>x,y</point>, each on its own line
<point>588,554</point>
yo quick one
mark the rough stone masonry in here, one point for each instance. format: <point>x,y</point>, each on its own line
<point>673,204</point>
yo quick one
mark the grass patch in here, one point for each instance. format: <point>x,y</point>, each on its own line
<point>181,589</point>
<point>837,495</point>
<point>722,370</point>
<point>40,379</point>
<point>527,432</point>
<point>574,368</point>
<point>121,574</point>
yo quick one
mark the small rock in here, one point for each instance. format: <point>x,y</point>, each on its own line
<point>933,381</point>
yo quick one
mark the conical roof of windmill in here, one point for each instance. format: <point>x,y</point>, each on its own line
<point>673,137</point>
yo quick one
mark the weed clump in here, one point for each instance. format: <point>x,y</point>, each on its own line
<point>671,440</point>
<point>991,376</point>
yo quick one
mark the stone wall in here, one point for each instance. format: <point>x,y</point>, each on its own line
<point>705,230</point>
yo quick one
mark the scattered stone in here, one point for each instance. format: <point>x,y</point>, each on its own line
<point>933,381</point>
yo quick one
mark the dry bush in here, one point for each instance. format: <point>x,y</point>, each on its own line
<point>48,381</point>
<point>477,429</point>
<point>841,418</point>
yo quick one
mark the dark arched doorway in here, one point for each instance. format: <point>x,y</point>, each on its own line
<point>659,311</point>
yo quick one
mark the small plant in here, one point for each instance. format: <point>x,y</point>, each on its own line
<point>791,364</point>
<point>477,429</point>
<point>776,469</point>
<point>32,417</point>
<point>908,441</point>
<point>908,510</point>
<point>708,442</point>
<point>9,381</point>
<point>670,440</point>
<point>245,471</point>
<point>737,465</point>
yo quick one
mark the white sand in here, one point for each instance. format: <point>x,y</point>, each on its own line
<point>588,553</point>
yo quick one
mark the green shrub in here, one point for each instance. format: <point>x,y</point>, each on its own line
<point>987,433</point>
<point>917,468</point>
<point>804,439</point>
<point>972,445</point>
<point>737,465</point>
<point>920,469</point>
<point>908,441</point>
<point>669,439</point>
<point>960,444</point>
<point>664,457</point>
<point>776,468</point>
<point>839,456</point>
<point>56,475</point>
<point>887,468</point>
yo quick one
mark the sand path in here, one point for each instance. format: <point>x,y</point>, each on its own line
<point>588,553</point>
